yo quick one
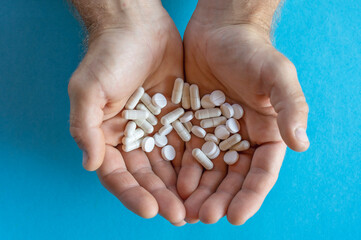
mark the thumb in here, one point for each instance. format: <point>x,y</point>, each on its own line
<point>289,102</point>
<point>86,117</point>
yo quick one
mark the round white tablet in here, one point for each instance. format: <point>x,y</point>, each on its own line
<point>221,132</point>
<point>160,140</point>
<point>186,117</point>
<point>227,110</point>
<point>165,130</point>
<point>216,154</point>
<point>206,102</point>
<point>198,131</point>
<point>148,144</point>
<point>168,153</point>
<point>159,100</point>
<point>233,125</point>
<point>217,97</point>
<point>209,148</point>
<point>238,111</point>
<point>231,157</point>
<point>211,138</point>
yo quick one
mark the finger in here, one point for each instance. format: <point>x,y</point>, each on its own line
<point>114,176</point>
<point>289,102</point>
<point>170,207</point>
<point>263,174</point>
<point>86,116</point>
<point>113,129</point>
<point>209,182</point>
<point>215,207</point>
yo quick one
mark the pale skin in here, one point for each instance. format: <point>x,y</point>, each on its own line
<point>227,47</point>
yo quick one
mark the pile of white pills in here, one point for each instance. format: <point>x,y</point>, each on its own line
<point>212,111</point>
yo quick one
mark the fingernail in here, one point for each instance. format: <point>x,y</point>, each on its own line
<point>85,158</point>
<point>301,135</point>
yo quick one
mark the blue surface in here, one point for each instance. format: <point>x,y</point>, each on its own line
<point>45,193</point>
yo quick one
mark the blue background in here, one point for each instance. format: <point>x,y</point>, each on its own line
<point>45,193</point>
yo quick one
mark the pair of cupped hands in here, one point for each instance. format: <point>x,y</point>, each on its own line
<point>147,50</point>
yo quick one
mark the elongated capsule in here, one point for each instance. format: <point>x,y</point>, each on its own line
<point>181,131</point>
<point>177,91</point>
<point>206,102</point>
<point>147,100</point>
<point>213,122</point>
<point>145,125</point>
<point>241,146</point>
<point>165,130</point>
<point>230,142</point>
<point>134,99</point>
<point>151,118</point>
<point>186,99</point>
<point>138,134</point>
<point>172,116</point>
<point>135,114</point>
<point>194,95</point>
<point>208,113</point>
<point>202,158</point>
<point>132,146</point>
<point>130,128</point>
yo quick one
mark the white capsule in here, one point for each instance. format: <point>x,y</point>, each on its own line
<point>159,100</point>
<point>137,134</point>
<point>145,125</point>
<point>172,116</point>
<point>230,142</point>
<point>198,131</point>
<point>160,140</point>
<point>186,117</point>
<point>134,114</point>
<point>148,144</point>
<point>202,158</point>
<point>186,99</point>
<point>130,128</point>
<point>194,95</point>
<point>208,113</point>
<point>151,118</point>
<point>165,130</point>
<point>215,155</point>
<point>217,97</point>
<point>211,138</point>
<point>231,157</point>
<point>233,125</point>
<point>221,132</point>
<point>238,111</point>
<point>188,126</point>
<point>177,91</point>
<point>181,131</point>
<point>209,148</point>
<point>168,153</point>
<point>147,100</point>
<point>213,122</point>
<point>132,146</point>
<point>227,110</point>
<point>134,99</point>
<point>242,146</point>
<point>206,102</point>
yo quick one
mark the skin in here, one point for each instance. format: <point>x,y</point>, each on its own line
<point>135,43</point>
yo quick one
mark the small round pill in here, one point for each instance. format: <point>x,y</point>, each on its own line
<point>215,155</point>
<point>198,131</point>
<point>160,140</point>
<point>168,153</point>
<point>238,111</point>
<point>159,100</point>
<point>206,102</point>
<point>209,148</point>
<point>233,125</point>
<point>186,117</point>
<point>227,110</point>
<point>165,130</point>
<point>148,144</point>
<point>211,138</point>
<point>231,157</point>
<point>217,97</point>
<point>221,132</point>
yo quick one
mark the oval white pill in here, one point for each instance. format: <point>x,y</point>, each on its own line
<point>202,158</point>
<point>206,102</point>
<point>148,144</point>
<point>188,126</point>
<point>211,138</point>
<point>165,130</point>
<point>233,125</point>
<point>194,96</point>
<point>168,153</point>
<point>159,100</point>
<point>241,146</point>
<point>231,157</point>
<point>215,155</point>
<point>217,97</point>
<point>209,148</point>
<point>130,128</point>
<point>238,111</point>
<point>198,131</point>
<point>186,117</point>
<point>227,110</point>
<point>177,91</point>
<point>160,140</point>
<point>221,132</point>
